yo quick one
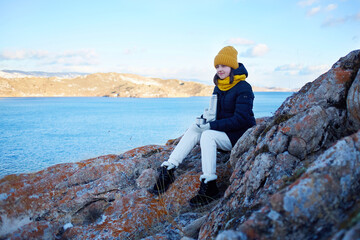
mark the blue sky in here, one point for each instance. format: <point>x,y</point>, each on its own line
<point>282,43</point>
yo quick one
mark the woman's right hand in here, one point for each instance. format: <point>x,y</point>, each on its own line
<point>209,115</point>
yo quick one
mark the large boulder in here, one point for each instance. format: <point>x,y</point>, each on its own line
<point>353,104</point>
<point>104,198</point>
<point>296,175</point>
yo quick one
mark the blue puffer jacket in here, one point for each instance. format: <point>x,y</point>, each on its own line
<point>234,108</point>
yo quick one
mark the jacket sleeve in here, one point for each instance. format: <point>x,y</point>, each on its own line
<point>243,115</point>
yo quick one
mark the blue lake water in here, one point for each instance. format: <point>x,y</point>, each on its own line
<point>36,133</point>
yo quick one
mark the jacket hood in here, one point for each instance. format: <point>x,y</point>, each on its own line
<point>241,70</point>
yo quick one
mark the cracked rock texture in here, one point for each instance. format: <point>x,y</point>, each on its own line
<point>295,175</point>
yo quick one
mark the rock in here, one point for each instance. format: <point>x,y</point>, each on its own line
<point>104,197</point>
<point>192,230</point>
<point>256,177</point>
<point>230,234</point>
<point>353,104</point>
<point>147,178</point>
<point>353,233</point>
<point>295,175</point>
<point>174,229</point>
<point>297,147</point>
<point>301,172</point>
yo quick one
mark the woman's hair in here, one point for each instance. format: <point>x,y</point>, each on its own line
<point>231,75</point>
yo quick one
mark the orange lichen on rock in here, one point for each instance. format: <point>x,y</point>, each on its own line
<point>342,76</point>
<point>298,168</point>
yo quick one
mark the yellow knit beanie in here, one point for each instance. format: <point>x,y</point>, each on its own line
<point>227,56</point>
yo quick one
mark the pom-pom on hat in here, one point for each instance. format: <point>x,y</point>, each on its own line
<point>227,56</point>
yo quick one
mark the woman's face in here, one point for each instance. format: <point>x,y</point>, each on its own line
<point>223,71</point>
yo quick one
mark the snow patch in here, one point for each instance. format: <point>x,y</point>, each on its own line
<point>3,196</point>
<point>34,196</point>
<point>68,225</point>
<point>13,75</point>
<point>148,81</point>
<point>102,220</point>
<point>91,89</point>
<point>10,225</point>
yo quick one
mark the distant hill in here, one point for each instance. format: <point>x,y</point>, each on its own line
<point>15,83</point>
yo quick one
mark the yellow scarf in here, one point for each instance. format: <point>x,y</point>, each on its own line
<point>224,84</point>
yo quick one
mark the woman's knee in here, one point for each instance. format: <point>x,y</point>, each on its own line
<point>206,137</point>
<point>220,139</point>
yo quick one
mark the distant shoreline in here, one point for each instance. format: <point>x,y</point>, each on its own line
<point>105,85</point>
<point>128,97</point>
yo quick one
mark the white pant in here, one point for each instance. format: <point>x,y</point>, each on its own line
<point>210,140</point>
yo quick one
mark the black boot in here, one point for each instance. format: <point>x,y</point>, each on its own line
<point>166,178</point>
<point>207,193</point>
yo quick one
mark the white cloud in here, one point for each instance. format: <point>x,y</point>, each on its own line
<point>314,11</point>
<point>66,58</point>
<point>331,7</point>
<point>291,69</point>
<point>75,60</point>
<point>256,51</point>
<point>314,69</point>
<point>288,67</point>
<point>330,22</point>
<point>77,57</point>
<point>86,53</point>
<point>239,41</point>
<point>298,69</point>
<point>306,3</point>
<point>130,51</point>
<point>23,54</point>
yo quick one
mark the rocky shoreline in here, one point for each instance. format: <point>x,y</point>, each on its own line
<point>295,175</point>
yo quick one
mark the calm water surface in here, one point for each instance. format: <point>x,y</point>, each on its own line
<point>39,132</point>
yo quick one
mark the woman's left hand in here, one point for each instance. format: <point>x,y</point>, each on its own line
<point>204,127</point>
